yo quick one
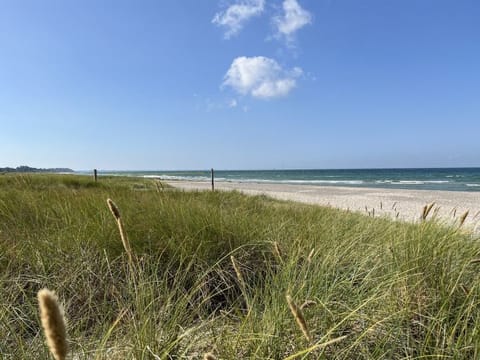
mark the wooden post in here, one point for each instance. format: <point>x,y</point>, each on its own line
<point>95,176</point>
<point>213,180</point>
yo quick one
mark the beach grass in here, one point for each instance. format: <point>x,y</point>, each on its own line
<point>224,275</point>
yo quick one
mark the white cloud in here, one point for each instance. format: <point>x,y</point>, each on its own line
<point>232,103</point>
<point>260,77</point>
<point>236,15</point>
<point>294,18</point>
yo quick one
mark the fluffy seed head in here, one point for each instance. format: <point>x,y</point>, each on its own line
<point>53,323</point>
<point>209,356</point>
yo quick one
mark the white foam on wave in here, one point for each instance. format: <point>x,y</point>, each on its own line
<point>303,182</point>
<point>411,182</point>
<point>266,181</point>
<point>185,178</point>
<point>349,182</point>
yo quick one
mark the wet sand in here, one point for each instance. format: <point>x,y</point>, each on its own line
<point>400,204</point>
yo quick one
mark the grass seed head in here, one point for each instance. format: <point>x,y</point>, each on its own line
<point>53,323</point>
<point>126,244</point>
<point>429,208</point>
<point>209,356</point>
<point>114,209</point>
<point>424,213</point>
<point>463,217</point>
<point>299,318</point>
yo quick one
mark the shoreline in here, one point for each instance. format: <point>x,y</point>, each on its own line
<point>400,204</point>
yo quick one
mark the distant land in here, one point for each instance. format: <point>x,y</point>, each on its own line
<point>28,169</point>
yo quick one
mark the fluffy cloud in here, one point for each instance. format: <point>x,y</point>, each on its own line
<point>261,77</point>
<point>294,18</point>
<point>236,15</point>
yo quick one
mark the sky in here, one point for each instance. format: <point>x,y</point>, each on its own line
<point>239,84</point>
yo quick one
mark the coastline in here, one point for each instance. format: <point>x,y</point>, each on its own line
<point>406,205</point>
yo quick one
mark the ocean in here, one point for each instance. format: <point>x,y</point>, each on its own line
<point>449,179</point>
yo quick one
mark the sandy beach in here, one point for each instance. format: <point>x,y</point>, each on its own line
<point>400,204</point>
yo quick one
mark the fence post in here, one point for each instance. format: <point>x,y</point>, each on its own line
<point>213,180</point>
<point>95,176</point>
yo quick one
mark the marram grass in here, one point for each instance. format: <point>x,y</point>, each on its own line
<point>371,289</point>
<point>123,236</point>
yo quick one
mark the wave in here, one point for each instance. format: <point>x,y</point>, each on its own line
<point>174,177</point>
<point>244,180</point>
<point>450,184</point>
<point>306,182</point>
<point>411,182</point>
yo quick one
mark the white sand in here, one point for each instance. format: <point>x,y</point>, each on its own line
<point>395,203</point>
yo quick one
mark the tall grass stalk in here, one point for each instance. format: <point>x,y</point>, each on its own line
<point>126,244</point>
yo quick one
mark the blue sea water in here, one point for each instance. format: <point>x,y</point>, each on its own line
<point>449,179</point>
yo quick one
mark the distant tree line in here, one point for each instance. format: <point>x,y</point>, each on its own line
<point>28,169</point>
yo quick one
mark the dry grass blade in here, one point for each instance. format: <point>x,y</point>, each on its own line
<point>310,255</point>
<point>277,250</point>
<point>316,346</point>
<point>429,208</point>
<point>426,210</point>
<point>299,318</point>
<point>53,323</point>
<point>238,272</point>
<point>424,213</point>
<point>307,304</point>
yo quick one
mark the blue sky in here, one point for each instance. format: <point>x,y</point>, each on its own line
<point>239,84</point>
